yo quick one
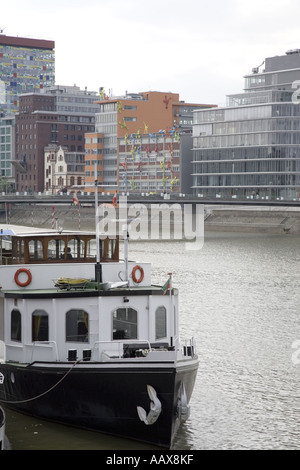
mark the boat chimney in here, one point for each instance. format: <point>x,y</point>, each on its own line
<point>98,273</point>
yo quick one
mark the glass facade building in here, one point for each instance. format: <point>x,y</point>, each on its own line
<point>251,147</point>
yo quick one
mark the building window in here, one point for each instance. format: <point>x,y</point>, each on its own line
<point>125,323</point>
<point>16,325</point>
<point>40,326</point>
<point>160,322</point>
<point>77,326</point>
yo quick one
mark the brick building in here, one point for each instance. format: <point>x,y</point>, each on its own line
<point>60,116</point>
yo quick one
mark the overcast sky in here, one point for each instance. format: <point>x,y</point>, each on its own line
<point>200,49</point>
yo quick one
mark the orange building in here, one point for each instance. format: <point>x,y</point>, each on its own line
<point>155,111</point>
<point>138,114</point>
<point>93,156</point>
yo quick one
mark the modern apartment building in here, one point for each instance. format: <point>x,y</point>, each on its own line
<point>26,66</point>
<point>58,115</point>
<point>251,147</point>
<point>145,113</point>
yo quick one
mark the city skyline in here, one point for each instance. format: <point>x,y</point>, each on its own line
<point>201,51</point>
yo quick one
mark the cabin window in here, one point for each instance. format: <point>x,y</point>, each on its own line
<point>56,249</point>
<point>160,322</point>
<point>35,249</point>
<point>16,325</point>
<point>91,248</point>
<point>77,326</point>
<point>108,249</point>
<point>19,249</point>
<point>125,323</point>
<point>75,248</point>
<point>40,326</point>
<point>111,248</point>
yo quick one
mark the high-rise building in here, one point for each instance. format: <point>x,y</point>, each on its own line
<point>26,65</point>
<point>58,115</point>
<point>251,147</point>
<point>133,114</point>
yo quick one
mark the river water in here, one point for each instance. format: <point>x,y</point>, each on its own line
<point>239,299</point>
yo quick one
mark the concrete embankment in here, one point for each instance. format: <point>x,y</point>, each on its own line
<point>67,216</point>
<point>217,218</point>
<point>253,219</point>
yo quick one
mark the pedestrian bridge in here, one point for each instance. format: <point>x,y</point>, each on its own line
<point>88,199</point>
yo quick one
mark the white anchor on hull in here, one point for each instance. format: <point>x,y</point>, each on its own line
<point>155,408</point>
<point>183,408</point>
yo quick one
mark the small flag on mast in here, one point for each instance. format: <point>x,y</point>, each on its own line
<point>167,285</point>
<point>114,201</point>
<point>75,199</point>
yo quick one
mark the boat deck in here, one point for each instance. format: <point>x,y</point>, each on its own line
<point>85,292</point>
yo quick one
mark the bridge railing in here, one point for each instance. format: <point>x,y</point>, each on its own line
<point>88,197</point>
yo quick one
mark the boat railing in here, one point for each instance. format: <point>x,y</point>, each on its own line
<point>36,344</point>
<point>189,347</point>
<point>118,349</point>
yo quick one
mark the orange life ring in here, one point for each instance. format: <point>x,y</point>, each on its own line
<point>29,277</point>
<point>134,278</point>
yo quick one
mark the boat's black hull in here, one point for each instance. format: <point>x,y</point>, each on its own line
<point>100,398</point>
<point>2,428</point>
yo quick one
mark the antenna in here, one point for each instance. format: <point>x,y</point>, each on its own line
<point>256,69</point>
<point>2,30</point>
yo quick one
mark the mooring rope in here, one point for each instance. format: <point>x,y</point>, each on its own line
<point>47,391</point>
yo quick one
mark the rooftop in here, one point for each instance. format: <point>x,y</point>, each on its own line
<point>26,42</point>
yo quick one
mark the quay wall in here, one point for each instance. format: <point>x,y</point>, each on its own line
<point>266,219</point>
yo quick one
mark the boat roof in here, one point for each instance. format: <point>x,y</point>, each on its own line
<point>23,231</point>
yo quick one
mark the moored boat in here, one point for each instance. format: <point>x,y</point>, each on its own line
<point>89,340</point>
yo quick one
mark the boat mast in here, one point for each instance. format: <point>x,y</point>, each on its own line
<point>126,238</point>
<point>98,270</point>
